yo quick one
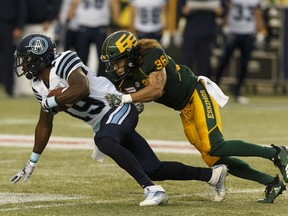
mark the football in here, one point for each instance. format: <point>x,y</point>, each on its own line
<point>55,92</point>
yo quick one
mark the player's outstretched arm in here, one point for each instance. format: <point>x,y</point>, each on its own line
<point>42,134</point>
<point>153,91</point>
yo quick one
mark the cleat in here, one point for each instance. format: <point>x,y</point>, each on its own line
<point>218,181</point>
<point>273,190</point>
<point>280,160</point>
<point>155,195</point>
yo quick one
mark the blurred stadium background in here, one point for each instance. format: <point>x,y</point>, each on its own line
<point>267,70</point>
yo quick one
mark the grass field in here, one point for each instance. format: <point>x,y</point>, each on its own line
<point>68,182</point>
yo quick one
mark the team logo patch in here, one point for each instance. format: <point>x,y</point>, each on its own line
<point>39,45</point>
<point>125,42</point>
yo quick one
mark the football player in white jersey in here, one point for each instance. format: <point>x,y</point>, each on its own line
<point>94,19</point>
<point>149,19</point>
<point>114,128</point>
<point>243,22</point>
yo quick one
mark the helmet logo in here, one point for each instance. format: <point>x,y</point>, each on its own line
<point>38,45</point>
<point>126,41</point>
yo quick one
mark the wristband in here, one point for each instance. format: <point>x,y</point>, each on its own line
<point>126,98</point>
<point>51,102</point>
<point>34,157</point>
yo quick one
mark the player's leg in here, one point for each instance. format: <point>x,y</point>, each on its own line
<point>99,35</point>
<point>246,43</point>
<point>205,47</point>
<point>202,123</point>
<point>189,52</point>
<point>228,49</point>
<point>199,120</point>
<point>115,125</point>
<point>208,123</point>
<point>83,44</point>
<point>162,170</point>
<point>6,62</point>
<point>172,170</point>
<point>241,169</point>
<point>277,154</point>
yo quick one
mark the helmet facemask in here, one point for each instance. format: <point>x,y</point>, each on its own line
<point>21,61</point>
<point>121,44</point>
<point>130,61</point>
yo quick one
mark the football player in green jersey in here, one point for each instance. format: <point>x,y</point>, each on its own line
<point>144,72</point>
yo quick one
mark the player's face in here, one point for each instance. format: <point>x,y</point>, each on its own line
<point>119,66</point>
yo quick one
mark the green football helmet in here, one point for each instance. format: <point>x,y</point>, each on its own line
<point>120,44</point>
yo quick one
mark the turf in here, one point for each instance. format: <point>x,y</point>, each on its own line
<point>68,182</point>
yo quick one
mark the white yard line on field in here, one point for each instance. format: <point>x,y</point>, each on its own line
<point>88,143</point>
<point>42,206</point>
<point>17,198</point>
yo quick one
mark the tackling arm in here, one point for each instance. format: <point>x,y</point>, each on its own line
<point>155,88</point>
<point>153,91</point>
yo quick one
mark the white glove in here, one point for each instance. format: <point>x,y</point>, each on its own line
<point>27,171</point>
<point>165,39</point>
<point>177,38</point>
<point>260,40</point>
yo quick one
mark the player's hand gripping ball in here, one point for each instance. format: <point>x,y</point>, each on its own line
<point>55,92</point>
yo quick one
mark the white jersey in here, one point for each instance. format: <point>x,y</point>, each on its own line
<point>241,18</point>
<point>148,15</point>
<point>72,24</point>
<point>93,13</point>
<point>91,109</point>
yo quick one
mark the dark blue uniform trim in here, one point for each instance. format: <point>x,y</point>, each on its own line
<point>66,64</point>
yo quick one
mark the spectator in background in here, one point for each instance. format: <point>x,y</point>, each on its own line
<point>199,34</point>
<point>13,15</point>
<point>68,24</point>
<point>243,22</point>
<point>124,17</point>
<point>149,19</point>
<point>95,19</point>
<point>41,15</point>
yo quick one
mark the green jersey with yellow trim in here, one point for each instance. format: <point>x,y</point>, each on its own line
<point>181,81</point>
